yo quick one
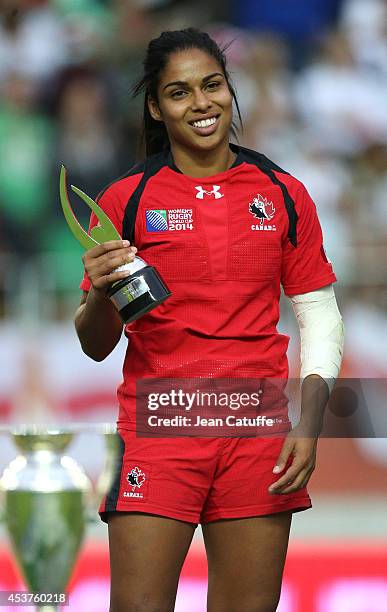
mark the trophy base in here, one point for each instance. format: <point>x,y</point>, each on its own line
<point>138,294</point>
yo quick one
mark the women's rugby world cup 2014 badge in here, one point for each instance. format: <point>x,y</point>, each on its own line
<point>263,210</point>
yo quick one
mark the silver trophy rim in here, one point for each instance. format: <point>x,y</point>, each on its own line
<point>29,429</point>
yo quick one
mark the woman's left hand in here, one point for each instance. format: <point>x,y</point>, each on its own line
<point>297,475</point>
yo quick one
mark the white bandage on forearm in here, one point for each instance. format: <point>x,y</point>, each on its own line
<point>322,333</point>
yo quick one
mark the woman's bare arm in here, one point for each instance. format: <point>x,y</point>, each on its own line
<point>97,322</point>
<point>98,325</point>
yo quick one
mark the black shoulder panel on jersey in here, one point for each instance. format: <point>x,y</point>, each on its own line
<point>136,169</point>
<point>151,166</point>
<point>269,167</point>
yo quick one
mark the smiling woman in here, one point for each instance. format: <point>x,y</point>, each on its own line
<point>188,101</point>
<point>225,226</point>
<point>194,103</point>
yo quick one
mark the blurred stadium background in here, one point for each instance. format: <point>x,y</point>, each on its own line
<point>312,83</point>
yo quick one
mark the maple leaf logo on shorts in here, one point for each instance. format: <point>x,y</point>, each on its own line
<point>135,477</point>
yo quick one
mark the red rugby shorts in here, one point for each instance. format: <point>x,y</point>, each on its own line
<point>199,480</point>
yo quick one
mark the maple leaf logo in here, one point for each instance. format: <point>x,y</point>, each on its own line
<point>262,209</point>
<point>135,477</point>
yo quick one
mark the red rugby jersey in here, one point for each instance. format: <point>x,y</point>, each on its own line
<point>224,244</point>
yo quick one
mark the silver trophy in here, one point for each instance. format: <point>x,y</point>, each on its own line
<point>47,502</point>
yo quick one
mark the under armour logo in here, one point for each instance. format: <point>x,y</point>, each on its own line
<point>215,192</point>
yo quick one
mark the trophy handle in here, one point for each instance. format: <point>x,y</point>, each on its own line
<point>101,233</point>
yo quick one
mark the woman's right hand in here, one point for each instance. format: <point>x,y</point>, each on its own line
<point>101,261</point>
